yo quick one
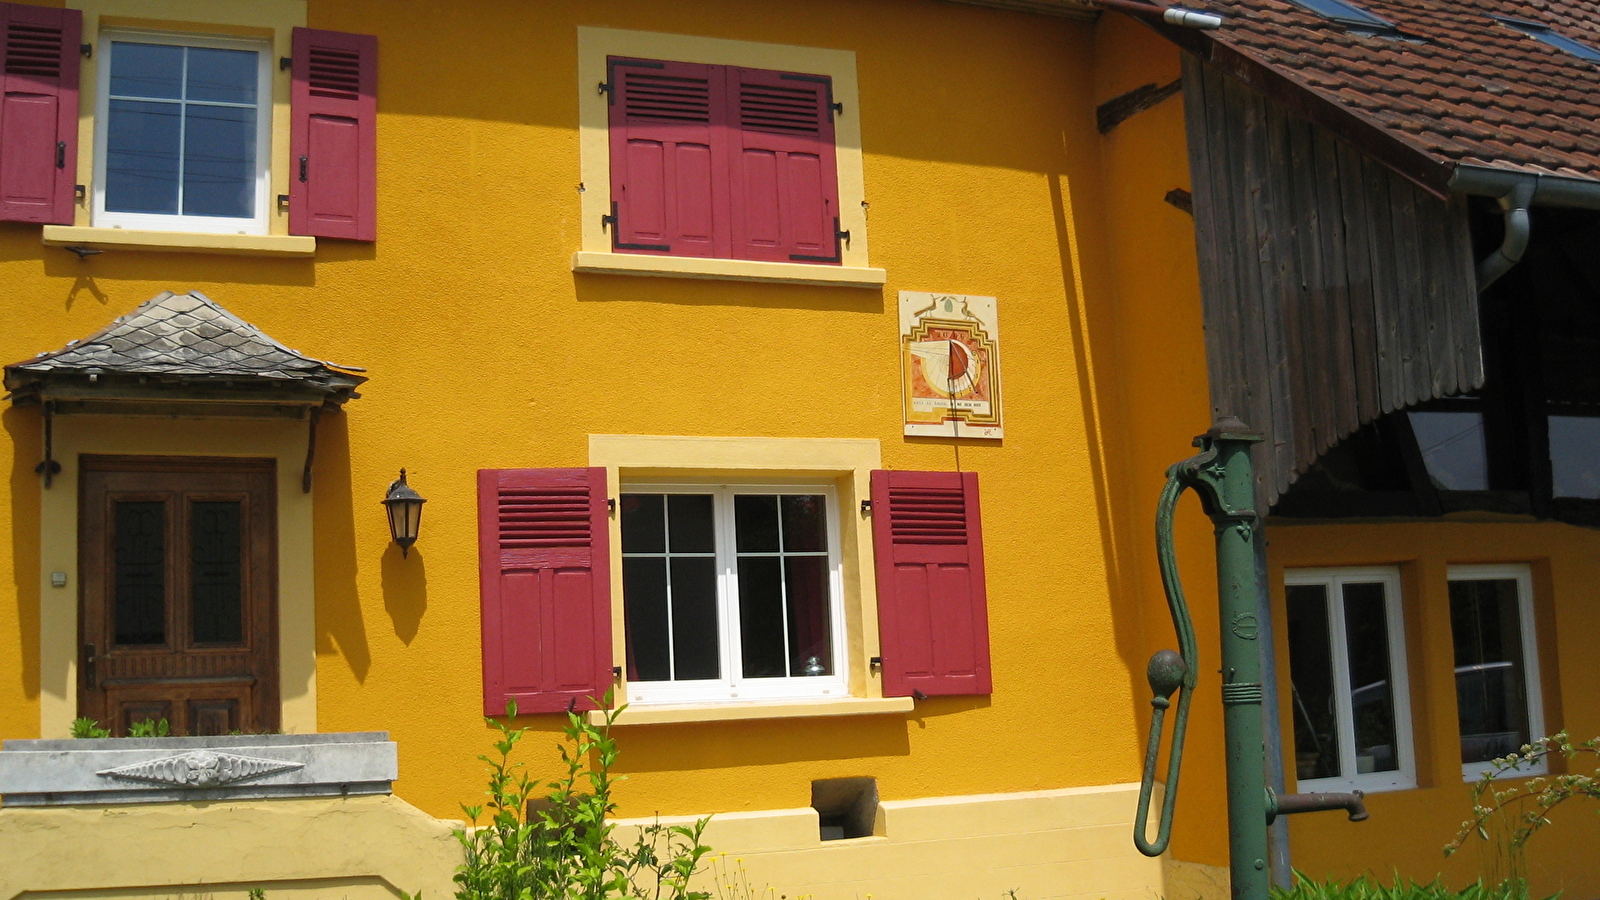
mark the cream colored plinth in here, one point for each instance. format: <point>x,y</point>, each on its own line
<point>360,848</point>
<point>1045,845</point>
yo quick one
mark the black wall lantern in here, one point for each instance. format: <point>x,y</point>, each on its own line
<point>404,506</point>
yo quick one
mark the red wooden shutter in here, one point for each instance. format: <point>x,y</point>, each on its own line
<point>333,101</point>
<point>38,112</point>
<point>545,582</point>
<point>668,158</point>
<point>933,618</point>
<point>785,182</point>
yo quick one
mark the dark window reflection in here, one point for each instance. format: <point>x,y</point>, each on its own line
<point>215,579</point>
<point>1316,723</point>
<point>140,583</point>
<point>1575,456</point>
<point>1491,687</point>
<point>1371,689</point>
<point>669,587</point>
<point>1453,448</point>
<point>784,596</point>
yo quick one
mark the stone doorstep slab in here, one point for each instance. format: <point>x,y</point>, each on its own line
<point>231,767</point>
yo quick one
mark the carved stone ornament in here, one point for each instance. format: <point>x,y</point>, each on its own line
<point>200,769</point>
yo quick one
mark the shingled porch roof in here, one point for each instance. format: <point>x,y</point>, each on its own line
<point>1450,84</point>
<point>181,348</point>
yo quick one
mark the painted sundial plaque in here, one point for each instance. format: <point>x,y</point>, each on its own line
<point>950,365</point>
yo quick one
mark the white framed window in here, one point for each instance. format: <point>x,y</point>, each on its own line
<point>183,133</point>
<point>1498,702</point>
<point>732,592</point>
<point>1350,695</point>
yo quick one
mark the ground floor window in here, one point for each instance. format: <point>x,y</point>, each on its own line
<point>1350,696</point>
<point>732,592</point>
<point>1496,663</point>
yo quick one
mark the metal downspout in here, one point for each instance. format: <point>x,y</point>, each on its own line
<point>1517,193</point>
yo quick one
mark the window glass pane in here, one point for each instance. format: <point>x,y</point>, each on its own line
<point>215,582</point>
<point>644,524</point>
<point>805,521</point>
<point>1453,449</point>
<point>142,143</point>
<point>694,619</point>
<point>761,617</point>
<point>756,520</point>
<point>1371,694</point>
<point>1491,690</point>
<point>689,524</point>
<point>140,582</point>
<point>644,601</point>
<point>229,76</point>
<point>146,70</point>
<point>1575,456</point>
<point>1316,736</point>
<point>219,161</point>
<point>806,581</point>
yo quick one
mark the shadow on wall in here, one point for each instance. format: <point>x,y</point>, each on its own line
<point>27,432</point>
<point>767,742</point>
<point>626,288</point>
<point>340,629</point>
<point>405,590</point>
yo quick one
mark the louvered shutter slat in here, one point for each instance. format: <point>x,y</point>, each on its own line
<point>333,185</point>
<point>784,176</point>
<point>668,159</point>
<point>932,608</point>
<point>38,112</point>
<point>545,582</point>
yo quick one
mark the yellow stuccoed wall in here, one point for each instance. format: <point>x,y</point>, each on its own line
<point>485,350</point>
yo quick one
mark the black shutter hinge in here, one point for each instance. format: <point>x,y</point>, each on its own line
<point>609,221</point>
<point>876,662</point>
<point>86,51</point>
<point>616,672</point>
<point>840,235</point>
<point>866,507</point>
<point>837,107</point>
<point>80,192</point>
<point>611,505</point>
<point>605,88</point>
<point>285,63</point>
<point>61,154</point>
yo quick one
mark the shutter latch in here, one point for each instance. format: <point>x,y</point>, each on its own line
<point>305,164</point>
<point>61,154</point>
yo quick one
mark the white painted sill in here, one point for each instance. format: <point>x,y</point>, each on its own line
<point>663,714</point>
<point>289,245</point>
<point>726,269</point>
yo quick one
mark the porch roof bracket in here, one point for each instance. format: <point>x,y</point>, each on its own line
<point>1517,192</point>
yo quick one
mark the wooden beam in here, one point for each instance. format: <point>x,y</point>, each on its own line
<point>1121,108</point>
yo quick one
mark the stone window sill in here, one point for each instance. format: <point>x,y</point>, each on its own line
<point>663,714</point>
<point>726,269</point>
<point>289,245</point>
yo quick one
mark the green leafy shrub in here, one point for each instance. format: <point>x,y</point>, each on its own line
<point>148,728</point>
<point>1367,888</point>
<point>88,728</point>
<point>554,841</point>
<point>1509,817</point>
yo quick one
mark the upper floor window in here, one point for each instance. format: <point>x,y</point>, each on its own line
<point>184,136</point>
<point>1347,672</point>
<point>722,161</point>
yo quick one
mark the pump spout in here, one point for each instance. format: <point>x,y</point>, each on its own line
<point>1352,803</point>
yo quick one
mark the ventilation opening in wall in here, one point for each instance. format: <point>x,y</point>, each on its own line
<point>846,807</point>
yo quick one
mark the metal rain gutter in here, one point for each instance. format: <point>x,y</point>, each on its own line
<point>1516,192</point>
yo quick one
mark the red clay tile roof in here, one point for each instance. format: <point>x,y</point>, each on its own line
<point>1455,87</point>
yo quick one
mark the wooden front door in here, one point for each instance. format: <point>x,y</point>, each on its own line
<point>178,617</point>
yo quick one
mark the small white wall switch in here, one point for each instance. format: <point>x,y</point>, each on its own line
<point>58,579</point>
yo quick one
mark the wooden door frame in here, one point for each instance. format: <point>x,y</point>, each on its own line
<point>265,646</point>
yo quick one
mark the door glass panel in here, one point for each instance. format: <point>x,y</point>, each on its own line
<point>1491,690</point>
<point>139,583</point>
<point>215,572</point>
<point>1371,692</point>
<point>1316,726</point>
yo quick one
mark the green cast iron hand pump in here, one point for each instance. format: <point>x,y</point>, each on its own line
<point>1220,474</point>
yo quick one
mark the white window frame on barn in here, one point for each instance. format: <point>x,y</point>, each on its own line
<point>1350,777</point>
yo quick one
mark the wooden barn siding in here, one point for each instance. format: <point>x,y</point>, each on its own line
<point>1334,289</point>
